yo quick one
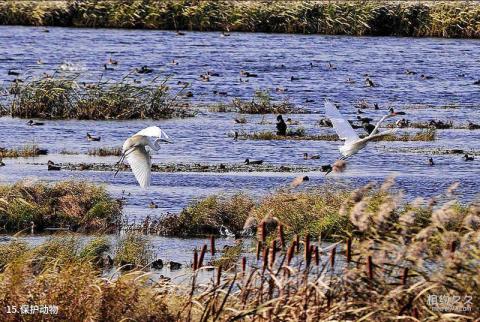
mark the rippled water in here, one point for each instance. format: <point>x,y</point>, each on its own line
<point>454,65</point>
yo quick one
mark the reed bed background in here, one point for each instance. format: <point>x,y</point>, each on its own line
<point>360,18</point>
<point>397,258</point>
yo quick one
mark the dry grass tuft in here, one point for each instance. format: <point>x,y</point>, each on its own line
<point>29,150</point>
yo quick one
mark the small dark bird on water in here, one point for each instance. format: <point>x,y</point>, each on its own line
<point>281,126</point>
<point>2,164</point>
<point>144,70</point>
<point>364,119</point>
<point>393,112</point>
<point>310,157</point>
<point>326,168</point>
<point>424,77</point>
<point>248,162</point>
<point>298,181</point>
<point>51,166</point>
<point>180,33</point>
<point>430,162</point>
<point>92,138</point>
<point>112,61</point>
<point>105,66</point>
<point>368,127</point>
<point>375,106</point>
<point>33,123</point>
<point>293,78</point>
<point>152,205</point>
<point>369,82</point>
<point>476,82</point>
<point>410,72</point>
<point>13,73</point>
<point>468,158</point>
<point>247,74</point>
<point>235,138</point>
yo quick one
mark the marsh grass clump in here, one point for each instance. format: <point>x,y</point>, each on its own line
<point>105,151</point>
<point>261,103</point>
<point>206,216</point>
<point>59,272</point>
<point>424,135</point>
<point>133,249</point>
<point>76,205</point>
<point>28,150</point>
<point>64,98</point>
<point>95,249</point>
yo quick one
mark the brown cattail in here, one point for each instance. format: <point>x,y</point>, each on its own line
<point>263,231</point>
<point>453,246</point>
<point>281,236</point>
<point>244,264</point>
<point>297,243</point>
<point>307,246</point>
<point>219,274</point>
<point>332,257</point>
<point>195,259</point>
<point>202,255</point>
<point>265,258</point>
<point>349,250</point>
<point>370,267</point>
<point>290,252</point>
<point>212,245</point>
<point>274,252</point>
<point>317,256</point>
<point>259,249</point>
<point>405,276</point>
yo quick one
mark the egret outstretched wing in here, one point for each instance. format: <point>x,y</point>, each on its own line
<point>340,124</point>
<point>140,162</point>
<point>153,131</point>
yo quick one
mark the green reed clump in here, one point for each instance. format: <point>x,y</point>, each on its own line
<point>208,215</point>
<point>64,98</point>
<point>77,205</point>
<point>133,249</point>
<point>105,151</point>
<point>95,249</point>
<point>361,18</point>
<point>28,150</point>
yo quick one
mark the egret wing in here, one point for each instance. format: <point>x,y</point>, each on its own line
<point>340,124</point>
<point>153,131</point>
<point>140,162</point>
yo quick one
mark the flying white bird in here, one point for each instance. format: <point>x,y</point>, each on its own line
<point>134,150</point>
<point>353,143</point>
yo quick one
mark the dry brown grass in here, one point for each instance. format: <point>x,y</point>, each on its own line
<point>28,150</point>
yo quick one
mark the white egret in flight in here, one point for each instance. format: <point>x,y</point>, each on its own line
<point>134,150</point>
<point>353,143</point>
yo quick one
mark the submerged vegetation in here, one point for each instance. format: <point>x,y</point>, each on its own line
<point>72,205</point>
<point>64,98</point>
<point>106,151</point>
<point>378,18</point>
<point>396,261</point>
<point>299,134</point>
<point>261,103</point>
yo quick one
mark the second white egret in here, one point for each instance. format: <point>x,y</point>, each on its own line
<point>353,143</point>
<point>134,150</point>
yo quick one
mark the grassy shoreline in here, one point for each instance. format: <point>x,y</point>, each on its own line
<point>452,19</point>
<point>395,258</point>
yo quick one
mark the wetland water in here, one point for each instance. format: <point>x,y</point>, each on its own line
<point>453,64</point>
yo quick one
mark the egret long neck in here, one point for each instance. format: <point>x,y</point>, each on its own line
<point>377,126</point>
